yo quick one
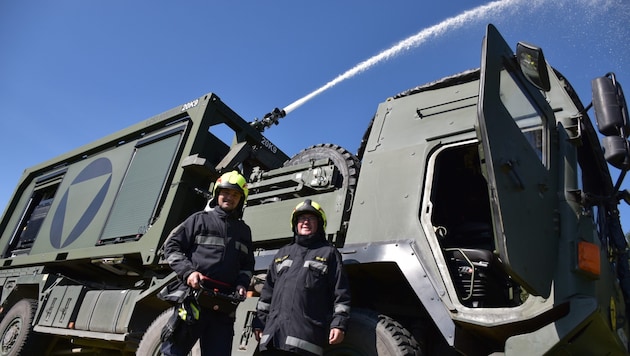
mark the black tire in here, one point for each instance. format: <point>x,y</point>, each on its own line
<point>151,341</point>
<point>373,334</point>
<point>16,331</point>
<point>347,163</point>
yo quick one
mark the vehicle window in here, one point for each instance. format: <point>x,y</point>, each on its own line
<point>136,202</point>
<point>527,117</point>
<point>36,211</point>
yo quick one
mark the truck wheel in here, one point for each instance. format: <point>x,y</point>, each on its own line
<point>151,341</point>
<point>373,334</point>
<point>347,163</point>
<point>17,336</point>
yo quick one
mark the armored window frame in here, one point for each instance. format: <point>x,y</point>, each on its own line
<point>36,210</point>
<point>526,115</point>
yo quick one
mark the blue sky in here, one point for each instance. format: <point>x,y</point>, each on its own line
<point>73,71</point>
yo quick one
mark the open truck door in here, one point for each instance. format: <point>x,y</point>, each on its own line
<point>517,130</point>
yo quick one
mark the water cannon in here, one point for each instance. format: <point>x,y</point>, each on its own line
<point>269,119</point>
<point>204,193</point>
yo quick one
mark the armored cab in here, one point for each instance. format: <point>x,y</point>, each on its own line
<point>478,216</point>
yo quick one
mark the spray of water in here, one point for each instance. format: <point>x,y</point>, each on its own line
<point>414,41</point>
<point>489,10</point>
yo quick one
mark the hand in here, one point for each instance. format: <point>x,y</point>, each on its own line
<point>257,333</point>
<point>194,279</point>
<point>242,291</point>
<point>336,336</point>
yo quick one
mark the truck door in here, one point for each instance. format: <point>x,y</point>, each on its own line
<point>518,156</point>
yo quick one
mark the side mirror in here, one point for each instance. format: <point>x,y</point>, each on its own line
<point>533,65</point>
<point>611,114</point>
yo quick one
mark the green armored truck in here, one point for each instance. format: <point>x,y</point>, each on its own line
<point>478,216</point>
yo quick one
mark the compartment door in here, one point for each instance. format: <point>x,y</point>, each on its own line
<point>517,131</point>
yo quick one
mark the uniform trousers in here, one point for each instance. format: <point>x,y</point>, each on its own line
<point>214,330</point>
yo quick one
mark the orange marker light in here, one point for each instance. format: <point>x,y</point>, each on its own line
<point>588,258</point>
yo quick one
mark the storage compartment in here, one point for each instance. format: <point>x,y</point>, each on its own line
<point>61,306</point>
<point>107,310</point>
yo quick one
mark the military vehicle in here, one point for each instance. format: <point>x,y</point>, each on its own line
<point>479,216</point>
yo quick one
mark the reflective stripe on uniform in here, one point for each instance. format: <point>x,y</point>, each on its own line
<point>342,308</point>
<point>317,265</point>
<point>209,240</point>
<point>262,306</point>
<point>242,247</point>
<point>304,345</point>
<point>285,263</point>
<point>175,257</point>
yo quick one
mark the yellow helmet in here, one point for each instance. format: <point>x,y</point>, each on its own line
<point>308,206</point>
<point>231,180</point>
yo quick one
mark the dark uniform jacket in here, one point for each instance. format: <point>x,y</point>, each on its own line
<point>306,293</point>
<point>215,243</point>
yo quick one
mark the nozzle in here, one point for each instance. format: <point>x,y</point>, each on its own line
<point>269,119</point>
<point>206,194</point>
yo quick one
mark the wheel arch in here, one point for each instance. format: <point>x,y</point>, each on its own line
<point>149,306</point>
<point>390,279</point>
<point>19,291</point>
<point>371,333</point>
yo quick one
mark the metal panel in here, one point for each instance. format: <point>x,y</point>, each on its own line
<point>106,310</point>
<point>52,305</point>
<point>126,311</point>
<point>87,310</point>
<point>69,306</point>
<point>135,204</point>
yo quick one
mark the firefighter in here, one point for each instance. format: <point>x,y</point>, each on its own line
<point>305,300</point>
<point>213,246</point>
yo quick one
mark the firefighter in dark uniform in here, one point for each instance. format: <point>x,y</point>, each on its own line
<point>305,301</point>
<point>213,245</point>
